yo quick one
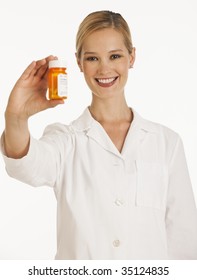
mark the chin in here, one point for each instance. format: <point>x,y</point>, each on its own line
<point>106,95</point>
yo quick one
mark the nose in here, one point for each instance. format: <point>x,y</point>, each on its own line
<point>104,67</point>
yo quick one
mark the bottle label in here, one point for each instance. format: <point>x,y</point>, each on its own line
<point>62,85</point>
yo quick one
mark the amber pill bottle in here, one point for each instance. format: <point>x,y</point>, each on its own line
<point>57,79</point>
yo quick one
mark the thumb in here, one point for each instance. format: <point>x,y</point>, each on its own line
<point>53,103</point>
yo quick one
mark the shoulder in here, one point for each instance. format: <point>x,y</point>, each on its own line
<point>81,124</point>
<point>57,128</point>
<point>161,129</point>
<point>165,135</point>
<point>57,134</point>
<point>160,138</point>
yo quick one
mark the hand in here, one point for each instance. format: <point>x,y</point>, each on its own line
<point>28,96</point>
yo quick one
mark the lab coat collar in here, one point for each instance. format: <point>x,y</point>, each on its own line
<point>93,129</point>
<point>83,122</point>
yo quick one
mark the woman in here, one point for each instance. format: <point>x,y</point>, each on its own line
<point>121,182</point>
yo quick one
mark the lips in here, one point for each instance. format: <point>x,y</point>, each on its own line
<point>106,82</point>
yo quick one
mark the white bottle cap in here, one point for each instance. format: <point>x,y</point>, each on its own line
<point>57,64</point>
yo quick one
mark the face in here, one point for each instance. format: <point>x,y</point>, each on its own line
<point>105,62</point>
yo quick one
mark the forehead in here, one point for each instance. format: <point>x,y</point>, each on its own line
<point>103,40</point>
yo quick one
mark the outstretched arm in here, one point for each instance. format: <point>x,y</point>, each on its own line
<point>27,98</point>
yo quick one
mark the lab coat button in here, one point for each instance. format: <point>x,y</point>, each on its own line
<point>116,243</point>
<point>118,202</point>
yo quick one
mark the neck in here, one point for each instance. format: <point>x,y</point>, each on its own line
<point>110,110</point>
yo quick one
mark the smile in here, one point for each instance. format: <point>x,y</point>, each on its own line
<point>106,82</point>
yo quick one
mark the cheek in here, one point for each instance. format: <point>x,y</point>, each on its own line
<point>89,70</point>
<point>123,66</point>
<point>123,70</point>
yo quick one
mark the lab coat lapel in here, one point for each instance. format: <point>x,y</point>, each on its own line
<point>98,134</point>
<point>138,131</point>
<point>93,129</point>
<point>135,136</point>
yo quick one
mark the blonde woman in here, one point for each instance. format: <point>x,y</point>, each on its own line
<point>121,182</point>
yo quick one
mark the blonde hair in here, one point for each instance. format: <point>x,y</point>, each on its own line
<point>100,20</point>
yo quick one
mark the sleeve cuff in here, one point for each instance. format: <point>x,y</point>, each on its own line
<point>27,157</point>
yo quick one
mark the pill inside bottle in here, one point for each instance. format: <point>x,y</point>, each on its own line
<point>57,79</point>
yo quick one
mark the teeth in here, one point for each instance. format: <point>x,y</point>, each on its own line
<point>106,81</point>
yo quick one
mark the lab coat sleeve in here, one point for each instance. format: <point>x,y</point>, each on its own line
<point>41,165</point>
<point>181,212</point>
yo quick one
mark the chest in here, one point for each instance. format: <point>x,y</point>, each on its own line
<point>94,173</point>
<point>117,134</point>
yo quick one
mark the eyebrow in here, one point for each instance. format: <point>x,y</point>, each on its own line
<point>112,51</point>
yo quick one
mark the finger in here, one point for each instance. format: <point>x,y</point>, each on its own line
<point>42,71</point>
<point>51,57</point>
<point>48,59</point>
<point>39,65</point>
<point>52,103</point>
<point>28,70</point>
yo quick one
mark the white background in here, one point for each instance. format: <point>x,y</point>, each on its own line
<point>162,87</point>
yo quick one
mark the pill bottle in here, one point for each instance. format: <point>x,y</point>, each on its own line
<point>57,79</point>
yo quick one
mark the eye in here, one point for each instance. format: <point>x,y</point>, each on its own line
<point>91,58</point>
<point>115,56</point>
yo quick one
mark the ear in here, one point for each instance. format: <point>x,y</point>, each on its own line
<point>132,58</point>
<point>79,62</point>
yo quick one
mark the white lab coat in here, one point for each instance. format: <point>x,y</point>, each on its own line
<point>137,204</point>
